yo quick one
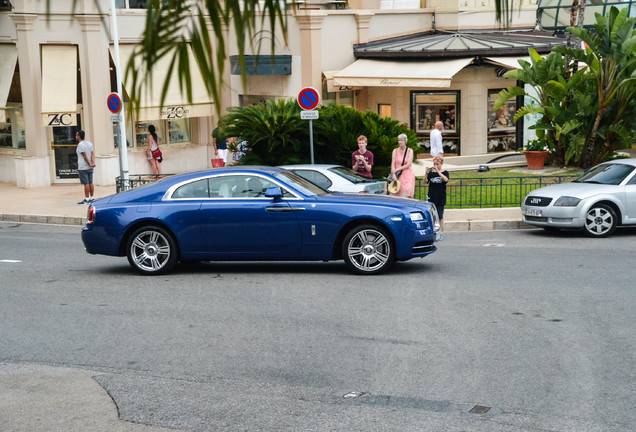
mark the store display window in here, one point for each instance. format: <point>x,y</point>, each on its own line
<point>501,127</point>
<point>430,107</point>
<point>12,129</point>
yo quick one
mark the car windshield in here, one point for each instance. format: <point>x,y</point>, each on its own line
<point>299,183</point>
<point>609,174</point>
<point>351,175</point>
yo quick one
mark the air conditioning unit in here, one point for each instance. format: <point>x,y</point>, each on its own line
<point>5,5</point>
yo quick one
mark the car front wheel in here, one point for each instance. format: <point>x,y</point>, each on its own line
<point>367,249</point>
<point>152,251</point>
<point>600,221</point>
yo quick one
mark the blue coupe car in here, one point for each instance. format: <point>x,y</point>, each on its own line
<point>256,214</point>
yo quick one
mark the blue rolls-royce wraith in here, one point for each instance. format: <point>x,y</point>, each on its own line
<point>257,213</point>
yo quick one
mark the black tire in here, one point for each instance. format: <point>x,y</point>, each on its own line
<point>151,250</point>
<point>600,221</point>
<point>368,250</point>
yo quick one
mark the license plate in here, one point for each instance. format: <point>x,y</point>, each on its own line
<point>533,212</point>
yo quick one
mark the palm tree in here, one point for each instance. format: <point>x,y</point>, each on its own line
<point>174,28</point>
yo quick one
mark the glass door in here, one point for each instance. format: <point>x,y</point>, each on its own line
<point>64,146</point>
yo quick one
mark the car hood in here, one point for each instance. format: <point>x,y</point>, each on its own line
<point>578,190</point>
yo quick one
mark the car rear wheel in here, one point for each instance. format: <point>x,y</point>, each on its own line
<point>600,221</point>
<point>367,249</point>
<point>152,251</point>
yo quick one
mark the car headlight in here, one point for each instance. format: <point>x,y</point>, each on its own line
<point>567,201</point>
<point>416,217</point>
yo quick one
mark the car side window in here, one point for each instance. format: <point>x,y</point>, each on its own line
<point>240,186</point>
<point>315,177</point>
<point>195,189</point>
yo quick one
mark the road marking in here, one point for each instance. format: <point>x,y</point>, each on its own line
<point>10,261</point>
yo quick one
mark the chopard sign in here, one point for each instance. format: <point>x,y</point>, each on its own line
<point>388,82</point>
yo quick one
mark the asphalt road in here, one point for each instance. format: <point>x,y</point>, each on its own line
<point>528,330</point>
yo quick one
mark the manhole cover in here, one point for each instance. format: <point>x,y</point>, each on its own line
<point>479,409</point>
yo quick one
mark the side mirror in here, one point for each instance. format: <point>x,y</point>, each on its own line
<point>274,192</point>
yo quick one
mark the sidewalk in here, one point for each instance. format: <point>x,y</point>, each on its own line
<point>57,204</point>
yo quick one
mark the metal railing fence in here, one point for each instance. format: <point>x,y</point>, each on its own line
<point>472,192</point>
<point>489,192</point>
<point>136,180</point>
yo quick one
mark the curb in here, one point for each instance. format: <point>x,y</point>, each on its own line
<point>43,219</point>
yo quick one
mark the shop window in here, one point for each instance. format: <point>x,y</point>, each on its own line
<point>179,130</point>
<point>12,116</point>
<point>131,4</point>
<point>141,132</point>
<point>12,129</point>
<point>427,108</point>
<point>501,128</point>
<point>384,110</point>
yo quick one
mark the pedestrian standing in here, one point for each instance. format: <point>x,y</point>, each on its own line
<point>401,161</point>
<point>437,178</point>
<point>437,149</point>
<point>219,141</point>
<point>362,159</point>
<point>153,149</point>
<point>85,165</point>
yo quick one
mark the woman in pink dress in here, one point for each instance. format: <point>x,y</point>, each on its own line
<point>401,162</point>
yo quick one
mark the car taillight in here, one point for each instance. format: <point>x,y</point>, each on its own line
<point>90,217</point>
<point>364,191</point>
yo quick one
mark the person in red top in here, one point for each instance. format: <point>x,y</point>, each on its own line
<point>362,159</point>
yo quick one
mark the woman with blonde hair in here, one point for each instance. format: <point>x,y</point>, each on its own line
<point>401,161</point>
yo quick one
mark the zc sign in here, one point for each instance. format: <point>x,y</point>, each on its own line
<point>59,119</point>
<point>174,112</point>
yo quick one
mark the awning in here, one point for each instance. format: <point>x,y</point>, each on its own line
<point>508,62</point>
<point>59,85</point>
<point>176,105</point>
<point>8,58</point>
<point>381,73</point>
<point>328,77</point>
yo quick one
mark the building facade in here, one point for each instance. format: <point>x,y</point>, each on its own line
<point>57,72</point>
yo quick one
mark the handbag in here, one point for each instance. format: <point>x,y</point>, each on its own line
<point>156,153</point>
<point>218,163</point>
<point>397,174</point>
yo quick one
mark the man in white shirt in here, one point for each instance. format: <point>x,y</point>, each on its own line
<point>436,140</point>
<point>85,165</point>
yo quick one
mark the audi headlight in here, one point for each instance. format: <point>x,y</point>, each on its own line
<point>416,217</point>
<point>567,201</point>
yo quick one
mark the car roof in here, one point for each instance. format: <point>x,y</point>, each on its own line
<point>311,166</point>
<point>233,169</point>
<point>631,161</point>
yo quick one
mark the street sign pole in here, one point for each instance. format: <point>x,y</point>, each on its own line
<point>121,129</point>
<point>311,140</point>
<point>308,99</point>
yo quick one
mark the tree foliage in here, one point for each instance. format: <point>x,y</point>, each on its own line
<point>587,114</point>
<point>277,136</point>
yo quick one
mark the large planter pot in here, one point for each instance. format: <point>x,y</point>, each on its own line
<point>535,159</point>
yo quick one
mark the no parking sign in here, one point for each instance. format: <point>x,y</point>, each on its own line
<point>308,98</point>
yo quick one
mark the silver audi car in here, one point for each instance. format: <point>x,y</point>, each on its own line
<point>597,201</point>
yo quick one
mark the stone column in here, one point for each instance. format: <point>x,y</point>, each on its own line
<point>310,25</point>
<point>363,18</point>
<point>95,84</point>
<point>33,169</point>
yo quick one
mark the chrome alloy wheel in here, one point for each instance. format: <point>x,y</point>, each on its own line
<point>600,221</point>
<point>150,250</point>
<point>369,250</point>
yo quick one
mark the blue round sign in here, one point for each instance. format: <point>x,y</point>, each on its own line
<point>114,103</point>
<point>308,98</point>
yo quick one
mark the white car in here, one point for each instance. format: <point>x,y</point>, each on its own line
<point>597,201</point>
<point>336,178</point>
